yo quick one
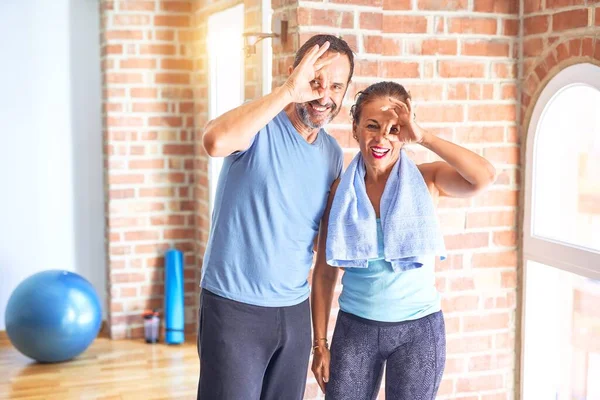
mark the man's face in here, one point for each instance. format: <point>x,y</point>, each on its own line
<point>334,79</point>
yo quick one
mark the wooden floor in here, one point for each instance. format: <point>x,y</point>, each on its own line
<point>107,370</point>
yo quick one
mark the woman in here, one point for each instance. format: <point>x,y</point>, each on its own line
<point>380,227</point>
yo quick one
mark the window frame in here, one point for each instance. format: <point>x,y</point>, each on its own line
<point>569,257</point>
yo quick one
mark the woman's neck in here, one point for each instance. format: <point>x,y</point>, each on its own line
<point>374,176</point>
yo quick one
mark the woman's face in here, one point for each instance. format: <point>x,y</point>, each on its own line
<point>377,134</point>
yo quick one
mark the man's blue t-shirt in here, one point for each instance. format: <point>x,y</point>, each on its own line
<point>268,206</point>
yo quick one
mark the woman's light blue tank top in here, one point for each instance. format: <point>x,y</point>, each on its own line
<point>380,294</point>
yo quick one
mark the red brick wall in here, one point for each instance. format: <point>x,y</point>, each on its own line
<point>556,33</point>
<point>283,55</point>
<point>149,154</point>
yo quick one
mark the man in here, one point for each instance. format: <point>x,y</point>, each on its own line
<point>254,333</point>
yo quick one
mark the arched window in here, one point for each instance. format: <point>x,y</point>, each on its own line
<point>561,240</point>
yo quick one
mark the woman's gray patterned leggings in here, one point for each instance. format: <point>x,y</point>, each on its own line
<point>414,353</point>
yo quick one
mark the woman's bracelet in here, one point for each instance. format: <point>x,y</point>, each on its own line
<point>318,347</point>
<point>316,344</point>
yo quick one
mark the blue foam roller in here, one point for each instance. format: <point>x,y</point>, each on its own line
<point>174,309</point>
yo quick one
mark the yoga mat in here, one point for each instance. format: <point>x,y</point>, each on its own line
<point>174,313</point>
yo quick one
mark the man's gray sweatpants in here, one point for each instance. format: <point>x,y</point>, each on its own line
<point>250,352</point>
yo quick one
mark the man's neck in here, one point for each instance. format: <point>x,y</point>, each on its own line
<point>309,134</point>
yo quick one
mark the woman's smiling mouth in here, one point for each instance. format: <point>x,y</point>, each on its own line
<point>379,152</point>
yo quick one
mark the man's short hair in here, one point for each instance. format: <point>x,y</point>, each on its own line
<point>336,45</point>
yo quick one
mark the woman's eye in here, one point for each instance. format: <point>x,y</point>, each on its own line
<point>315,83</point>
<point>371,126</point>
<point>394,130</point>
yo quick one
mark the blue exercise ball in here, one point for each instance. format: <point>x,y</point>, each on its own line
<point>53,316</point>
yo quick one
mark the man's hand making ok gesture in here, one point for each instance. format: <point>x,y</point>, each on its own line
<point>305,83</point>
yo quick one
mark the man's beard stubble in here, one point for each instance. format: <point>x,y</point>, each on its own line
<point>304,114</point>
